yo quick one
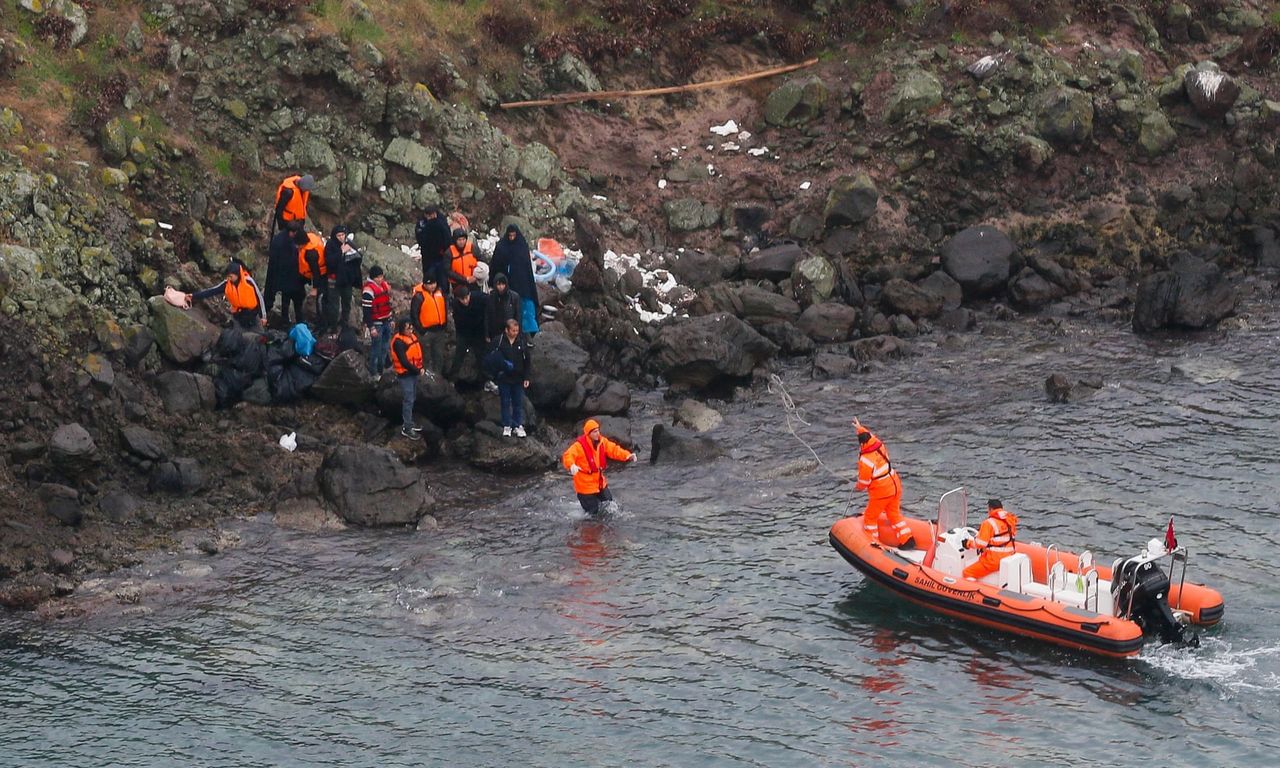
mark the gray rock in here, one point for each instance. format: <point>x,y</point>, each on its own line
<point>879,348</point>
<point>672,445</point>
<point>412,155</point>
<point>537,165</point>
<point>1029,290</point>
<point>943,286</point>
<point>760,305</point>
<point>557,364</point>
<point>138,343</point>
<point>434,396</point>
<point>957,319</point>
<point>1065,116</point>
<point>1156,135</point>
<point>791,340</point>
<point>119,506</point>
<point>980,259</point>
<point>313,153</point>
<point>368,486</point>
<point>72,450</point>
<point>21,453</point>
<point>61,502</point>
<point>686,214</point>
<point>796,102</point>
<point>1192,293</point>
<point>181,336</point>
<point>902,296</point>
<point>184,392</point>
<point>773,263</point>
<point>573,74</point>
<point>258,393</point>
<point>852,200</point>
<point>914,92</point>
<point>813,279</point>
<point>100,372</point>
<point>179,477</point>
<point>1212,93</point>
<point>345,381</point>
<point>595,394</point>
<point>113,140</point>
<point>145,444</point>
<point>495,453</point>
<point>697,416</point>
<point>829,322</point>
<point>697,352</point>
<point>694,268</point>
<point>828,366</point>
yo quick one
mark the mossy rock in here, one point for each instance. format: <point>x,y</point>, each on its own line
<point>796,102</point>
<point>113,139</point>
<point>1156,136</point>
<point>914,92</point>
<point>114,178</point>
<point>1065,116</point>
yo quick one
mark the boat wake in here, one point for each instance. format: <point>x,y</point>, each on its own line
<point>1216,661</point>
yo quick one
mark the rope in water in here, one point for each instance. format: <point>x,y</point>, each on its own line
<point>795,413</point>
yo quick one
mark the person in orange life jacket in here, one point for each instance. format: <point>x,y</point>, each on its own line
<point>292,198</point>
<point>586,458</point>
<point>375,305</point>
<point>460,260</point>
<point>502,304</point>
<point>880,480</point>
<point>406,361</point>
<point>431,321</point>
<point>467,308</point>
<point>433,236</point>
<point>512,382</point>
<point>315,270</point>
<point>994,540</point>
<point>344,262</point>
<point>247,306</point>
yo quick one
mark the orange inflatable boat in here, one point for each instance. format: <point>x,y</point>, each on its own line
<point>1039,591</point>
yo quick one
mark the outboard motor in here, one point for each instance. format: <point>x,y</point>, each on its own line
<point>1140,593</point>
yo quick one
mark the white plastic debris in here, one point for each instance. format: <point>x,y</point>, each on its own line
<point>163,225</point>
<point>726,129</point>
<point>806,185</point>
<point>744,135</point>
<point>599,197</point>
<point>729,146</point>
<point>662,183</point>
<point>758,151</point>
<point>289,442</point>
<point>710,147</point>
<point>711,169</point>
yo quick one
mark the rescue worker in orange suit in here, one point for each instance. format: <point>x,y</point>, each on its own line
<point>292,197</point>
<point>243,296</point>
<point>994,540</point>
<point>586,459</point>
<point>880,480</point>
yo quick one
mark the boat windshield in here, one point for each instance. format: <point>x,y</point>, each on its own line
<point>953,510</point>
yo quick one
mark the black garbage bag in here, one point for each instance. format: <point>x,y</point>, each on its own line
<point>230,343</point>
<point>252,357</point>
<point>229,385</point>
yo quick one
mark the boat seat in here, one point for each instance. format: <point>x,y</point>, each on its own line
<point>1015,572</point>
<point>914,555</point>
<point>1015,576</point>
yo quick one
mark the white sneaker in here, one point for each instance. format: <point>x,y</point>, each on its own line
<point>520,432</point>
<point>489,386</point>
<point>506,431</point>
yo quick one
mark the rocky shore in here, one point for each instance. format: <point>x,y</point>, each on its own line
<point>952,170</point>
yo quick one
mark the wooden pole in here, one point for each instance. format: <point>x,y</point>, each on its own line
<point>571,98</point>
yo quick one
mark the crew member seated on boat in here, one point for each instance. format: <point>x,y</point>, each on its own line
<point>880,480</point>
<point>994,541</point>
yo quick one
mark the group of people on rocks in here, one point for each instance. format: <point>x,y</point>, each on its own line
<point>493,308</point>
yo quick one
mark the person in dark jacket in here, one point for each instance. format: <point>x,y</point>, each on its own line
<point>514,379</point>
<point>432,234</point>
<point>345,264</point>
<point>467,307</point>
<point>283,277</point>
<point>512,257</point>
<point>503,304</point>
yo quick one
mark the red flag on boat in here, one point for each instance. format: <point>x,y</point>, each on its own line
<point>1170,541</point>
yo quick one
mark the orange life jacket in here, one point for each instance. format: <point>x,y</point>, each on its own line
<point>431,313</point>
<point>314,243</point>
<point>296,208</point>
<point>997,532</point>
<point>591,459</point>
<point>413,351</point>
<point>463,262</point>
<point>242,295</point>
<point>876,474</point>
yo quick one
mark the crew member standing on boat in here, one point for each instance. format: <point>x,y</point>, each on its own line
<point>880,480</point>
<point>994,540</point>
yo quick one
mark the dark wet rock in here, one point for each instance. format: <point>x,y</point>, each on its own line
<point>958,319</point>
<point>21,453</point>
<point>697,416</point>
<point>182,336</point>
<point>435,396</point>
<point>1029,290</point>
<point>145,444</point>
<point>100,372</point>
<point>139,341</point>
<point>796,102</point>
<point>72,450</point>
<point>1264,246</point>
<point>61,502</point>
<point>616,428</point>
<point>827,365</point>
<point>774,263</point>
<point>761,306</point>
<point>852,200</point>
<point>258,393</point>
<point>557,364</point>
<point>1060,389</point>
<point>119,506</point>
<point>698,351</point>
<point>879,348</point>
<point>494,453</point>
<point>183,392</point>
<point>1211,93</point>
<point>179,477</point>
<point>345,381</point>
<point>306,515</point>
<point>673,445</point>
<point>696,269</point>
<point>980,259</point>
<point>829,322</point>
<point>944,287</point>
<point>1065,116</point>
<point>593,393</point>
<point>910,299</point>
<point>687,214</point>
<point>368,486</point>
<point>1192,294</point>
<point>790,340</point>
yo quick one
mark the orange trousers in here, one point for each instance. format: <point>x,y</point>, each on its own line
<point>988,562</point>
<point>890,507</point>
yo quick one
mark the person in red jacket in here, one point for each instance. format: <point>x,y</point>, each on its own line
<point>586,458</point>
<point>375,303</point>
<point>880,480</point>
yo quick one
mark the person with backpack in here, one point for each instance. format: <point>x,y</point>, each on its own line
<point>512,365</point>
<point>502,304</point>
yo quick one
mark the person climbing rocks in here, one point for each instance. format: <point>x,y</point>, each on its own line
<point>375,305</point>
<point>586,458</point>
<point>434,238</point>
<point>406,361</point>
<point>502,304</point>
<point>431,321</point>
<point>313,268</point>
<point>248,309</point>
<point>292,198</point>
<point>880,480</point>
<point>462,261</point>
<point>994,541</point>
<point>513,258</point>
<point>467,308</point>
<point>346,264</point>
<point>283,277</point>
<point>513,378</point>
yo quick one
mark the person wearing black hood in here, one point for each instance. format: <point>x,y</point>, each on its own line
<point>503,304</point>
<point>512,257</point>
<point>283,277</point>
<point>432,234</point>
<point>344,262</point>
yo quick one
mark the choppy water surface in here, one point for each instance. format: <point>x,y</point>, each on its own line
<point>709,622</point>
